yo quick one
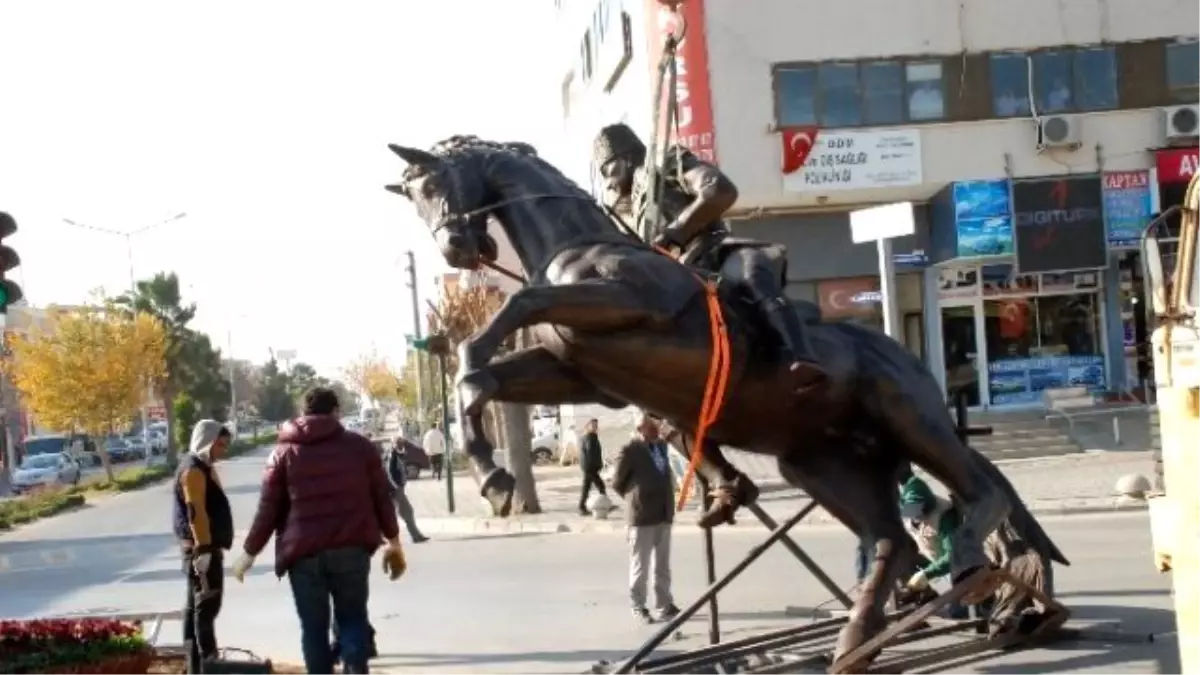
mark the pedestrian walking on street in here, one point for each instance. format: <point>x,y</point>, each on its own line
<point>326,498</point>
<point>204,529</point>
<point>591,462</point>
<point>643,479</point>
<point>434,443</point>
<point>398,478</point>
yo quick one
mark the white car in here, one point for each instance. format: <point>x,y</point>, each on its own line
<point>545,447</point>
<point>48,470</point>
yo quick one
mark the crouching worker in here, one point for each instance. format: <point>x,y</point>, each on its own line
<point>931,521</point>
<point>1014,609</point>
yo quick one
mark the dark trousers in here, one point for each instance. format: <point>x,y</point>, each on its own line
<point>590,478</point>
<point>404,509</point>
<point>201,606</point>
<point>337,577</point>
<point>436,462</point>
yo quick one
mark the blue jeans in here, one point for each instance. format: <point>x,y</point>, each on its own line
<point>339,575</point>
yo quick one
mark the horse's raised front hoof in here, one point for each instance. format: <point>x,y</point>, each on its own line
<point>855,634</point>
<point>497,489</point>
<point>727,499</point>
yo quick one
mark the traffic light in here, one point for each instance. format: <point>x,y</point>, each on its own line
<point>10,292</point>
<point>436,344</point>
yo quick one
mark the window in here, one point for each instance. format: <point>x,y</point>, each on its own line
<point>926,95</point>
<point>797,92</point>
<point>883,93</point>
<point>1183,72</point>
<point>841,100</point>
<point>1052,82</point>
<point>1095,79</point>
<point>1010,85</point>
<point>855,94</point>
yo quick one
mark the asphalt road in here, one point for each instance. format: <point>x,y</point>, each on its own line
<point>541,603</point>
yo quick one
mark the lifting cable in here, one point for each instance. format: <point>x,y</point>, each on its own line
<point>716,384</point>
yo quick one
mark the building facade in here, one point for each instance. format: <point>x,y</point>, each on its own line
<point>1036,139</point>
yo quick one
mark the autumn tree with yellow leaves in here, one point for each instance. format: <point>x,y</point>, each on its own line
<point>461,312</point>
<point>86,369</point>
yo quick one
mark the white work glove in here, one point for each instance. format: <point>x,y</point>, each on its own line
<point>242,565</point>
<point>201,563</point>
<point>917,582</point>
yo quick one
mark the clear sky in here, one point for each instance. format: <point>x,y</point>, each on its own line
<point>266,122</point>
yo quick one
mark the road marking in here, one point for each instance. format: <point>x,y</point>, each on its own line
<point>58,556</point>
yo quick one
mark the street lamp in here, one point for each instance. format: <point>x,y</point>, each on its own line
<point>132,286</point>
<point>128,239</point>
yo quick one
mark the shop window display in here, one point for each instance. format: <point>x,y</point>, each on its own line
<point>1040,343</point>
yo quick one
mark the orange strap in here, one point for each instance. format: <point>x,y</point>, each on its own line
<point>715,386</point>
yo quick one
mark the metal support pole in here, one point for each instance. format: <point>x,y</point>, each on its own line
<point>673,625</point>
<point>809,564</point>
<point>416,314</point>
<point>448,455</point>
<point>710,564</point>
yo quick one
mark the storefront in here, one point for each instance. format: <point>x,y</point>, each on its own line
<point>1019,285</point>
<point>827,268</point>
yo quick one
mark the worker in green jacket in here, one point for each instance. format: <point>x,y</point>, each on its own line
<point>931,522</point>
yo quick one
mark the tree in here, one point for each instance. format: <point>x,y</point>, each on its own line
<point>160,297</point>
<point>183,409</point>
<point>247,378</point>
<point>376,379</point>
<point>203,379</point>
<point>87,369</point>
<point>462,311</point>
<point>301,378</point>
<point>275,402</point>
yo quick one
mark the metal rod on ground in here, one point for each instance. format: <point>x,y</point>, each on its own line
<point>673,625</point>
<point>710,564</point>
<point>794,548</point>
<point>448,455</point>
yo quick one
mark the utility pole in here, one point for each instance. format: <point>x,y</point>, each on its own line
<point>416,312</point>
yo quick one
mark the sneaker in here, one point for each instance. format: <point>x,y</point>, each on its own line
<point>643,615</point>
<point>420,539</point>
<point>669,613</point>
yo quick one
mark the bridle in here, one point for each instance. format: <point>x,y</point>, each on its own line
<point>449,219</point>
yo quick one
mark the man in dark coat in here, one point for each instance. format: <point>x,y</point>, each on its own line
<point>591,463</point>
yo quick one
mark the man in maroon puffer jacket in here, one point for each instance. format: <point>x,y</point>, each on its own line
<point>327,500</point>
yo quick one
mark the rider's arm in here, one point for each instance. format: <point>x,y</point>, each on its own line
<point>711,190</point>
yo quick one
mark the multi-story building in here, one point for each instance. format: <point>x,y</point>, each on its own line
<point>1035,139</point>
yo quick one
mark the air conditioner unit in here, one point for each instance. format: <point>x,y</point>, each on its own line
<point>1181,122</point>
<point>1058,131</point>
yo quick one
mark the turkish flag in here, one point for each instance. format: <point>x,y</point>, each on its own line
<point>797,143</point>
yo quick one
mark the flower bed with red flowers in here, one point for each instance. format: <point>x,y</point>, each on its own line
<point>73,646</point>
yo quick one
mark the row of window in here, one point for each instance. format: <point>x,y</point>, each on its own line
<point>899,91</point>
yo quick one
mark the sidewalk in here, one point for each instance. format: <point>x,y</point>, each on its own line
<point>1068,484</point>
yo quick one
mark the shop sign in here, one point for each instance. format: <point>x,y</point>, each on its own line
<point>842,298</point>
<point>982,218</point>
<point>1127,207</point>
<point>693,89</point>
<point>958,282</point>
<point>1023,380</point>
<point>1070,282</point>
<point>1058,224</point>
<point>1001,280</point>
<point>1176,165</point>
<point>851,160</point>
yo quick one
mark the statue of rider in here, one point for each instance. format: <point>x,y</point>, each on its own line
<point>695,196</point>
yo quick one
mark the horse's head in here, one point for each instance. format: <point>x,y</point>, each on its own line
<point>447,186</point>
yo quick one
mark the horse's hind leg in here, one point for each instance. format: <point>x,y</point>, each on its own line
<point>862,495</point>
<point>532,375</point>
<point>734,488</point>
<point>929,439</point>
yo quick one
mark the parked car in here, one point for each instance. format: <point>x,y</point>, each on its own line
<point>118,450</point>
<point>50,444</point>
<point>157,441</point>
<point>138,449</point>
<point>545,447</point>
<point>45,470</point>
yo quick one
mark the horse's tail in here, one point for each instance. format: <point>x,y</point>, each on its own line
<point>1022,521</point>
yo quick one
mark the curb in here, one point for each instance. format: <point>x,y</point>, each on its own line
<point>482,526</point>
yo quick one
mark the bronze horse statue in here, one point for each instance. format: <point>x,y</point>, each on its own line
<point>618,323</point>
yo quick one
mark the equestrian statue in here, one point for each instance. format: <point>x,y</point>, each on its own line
<point>618,323</point>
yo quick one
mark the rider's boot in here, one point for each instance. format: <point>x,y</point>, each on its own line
<point>804,369</point>
<point>736,491</point>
